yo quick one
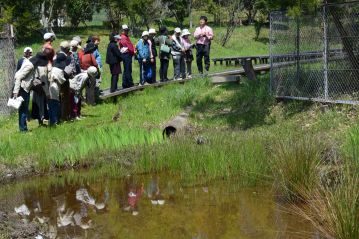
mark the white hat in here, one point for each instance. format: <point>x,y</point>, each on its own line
<point>74,43</point>
<point>49,35</point>
<point>92,71</point>
<point>145,33</point>
<point>28,49</point>
<point>185,32</point>
<point>77,38</point>
<point>117,37</point>
<point>152,31</point>
<point>124,27</point>
<point>177,30</point>
<point>65,44</point>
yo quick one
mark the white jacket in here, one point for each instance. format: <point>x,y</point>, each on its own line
<point>56,80</point>
<point>24,77</point>
<point>79,81</point>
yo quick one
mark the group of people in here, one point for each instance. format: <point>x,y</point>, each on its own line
<point>164,46</point>
<point>57,79</point>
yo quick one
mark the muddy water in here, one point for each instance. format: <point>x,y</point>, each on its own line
<point>149,206</point>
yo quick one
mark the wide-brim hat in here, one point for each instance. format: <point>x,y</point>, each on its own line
<point>152,31</point>
<point>49,35</point>
<point>177,30</point>
<point>28,49</point>
<point>145,33</point>
<point>185,32</point>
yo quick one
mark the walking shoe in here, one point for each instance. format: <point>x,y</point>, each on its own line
<point>189,77</point>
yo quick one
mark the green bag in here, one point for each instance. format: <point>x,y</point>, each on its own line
<point>164,48</point>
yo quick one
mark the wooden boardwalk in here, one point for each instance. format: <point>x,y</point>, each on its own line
<point>259,68</point>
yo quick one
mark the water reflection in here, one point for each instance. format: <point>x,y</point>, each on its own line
<point>157,206</point>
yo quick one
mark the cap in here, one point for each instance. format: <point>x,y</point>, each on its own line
<point>92,71</point>
<point>152,31</point>
<point>65,44</point>
<point>74,43</point>
<point>177,30</point>
<point>27,49</point>
<point>185,32</point>
<point>124,27</point>
<point>78,39</point>
<point>49,35</point>
<point>145,33</point>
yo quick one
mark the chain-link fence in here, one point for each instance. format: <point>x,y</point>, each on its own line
<point>7,67</point>
<point>316,57</point>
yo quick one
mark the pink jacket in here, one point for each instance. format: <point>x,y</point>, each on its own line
<point>200,31</point>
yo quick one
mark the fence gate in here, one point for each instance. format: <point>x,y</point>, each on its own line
<point>316,57</point>
<point>7,67</point>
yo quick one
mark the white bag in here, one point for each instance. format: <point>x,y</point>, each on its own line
<point>15,103</point>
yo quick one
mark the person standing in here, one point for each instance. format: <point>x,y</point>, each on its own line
<point>165,43</point>
<point>153,41</point>
<point>23,82</point>
<point>27,55</point>
<point>144,58</point>
<point>188,55</point>
<point>96,40</point>
<point>74,48</point>
<point>127,50</point>
<point>204,36</point>
<point>86,61</point>
<point>49,38</point>
<point>113,59</point>
<point>177,52</point>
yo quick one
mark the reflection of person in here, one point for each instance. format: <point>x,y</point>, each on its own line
<point>153,191</point>
<point>133,198</point>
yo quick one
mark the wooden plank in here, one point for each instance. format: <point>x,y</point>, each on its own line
<point>225,79</point>
<point>106,93</point>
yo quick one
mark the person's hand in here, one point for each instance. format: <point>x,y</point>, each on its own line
<point>15,95</point>
<point>152,60</point>
<point>144,61</point>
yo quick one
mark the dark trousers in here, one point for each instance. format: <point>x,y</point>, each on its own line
<point>203,51</point>
<point>90,91</point>
<point>75,101</point>
<point>127,80</point>
<point>54,112</point>
<point>179,67</point>
<point>164,69</point>
<point>24,110</point>
<point>154,75</point>
<point>65,101</point>
<point>114,81</point>
<point>144,67</point>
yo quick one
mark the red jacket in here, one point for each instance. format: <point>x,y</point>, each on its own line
<point>87,60</point>
<point>126,42</point>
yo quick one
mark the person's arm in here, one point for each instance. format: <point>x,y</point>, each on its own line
<point>197,34</point>
<point>116,52</point>
<point>210,34</point>
<point>98,59</point>
<point>19,63</point>
<point>150,47</point>
<point>94,62</point>
<point>24,71</point>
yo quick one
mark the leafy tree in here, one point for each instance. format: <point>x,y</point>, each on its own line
<point>80,11</point>
<point>178,9</point>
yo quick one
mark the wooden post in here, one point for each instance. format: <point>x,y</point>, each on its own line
<point>249,70</point>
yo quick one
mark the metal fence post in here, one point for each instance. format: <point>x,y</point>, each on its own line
<point>325,53</point>
<point>297,46</point>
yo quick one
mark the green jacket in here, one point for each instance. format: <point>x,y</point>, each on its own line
<point>164,40</point>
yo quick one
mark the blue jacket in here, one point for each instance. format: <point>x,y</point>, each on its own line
<point>98,58</point>
<point>143,50</point>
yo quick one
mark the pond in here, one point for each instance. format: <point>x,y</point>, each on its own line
<point>148,206</point>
